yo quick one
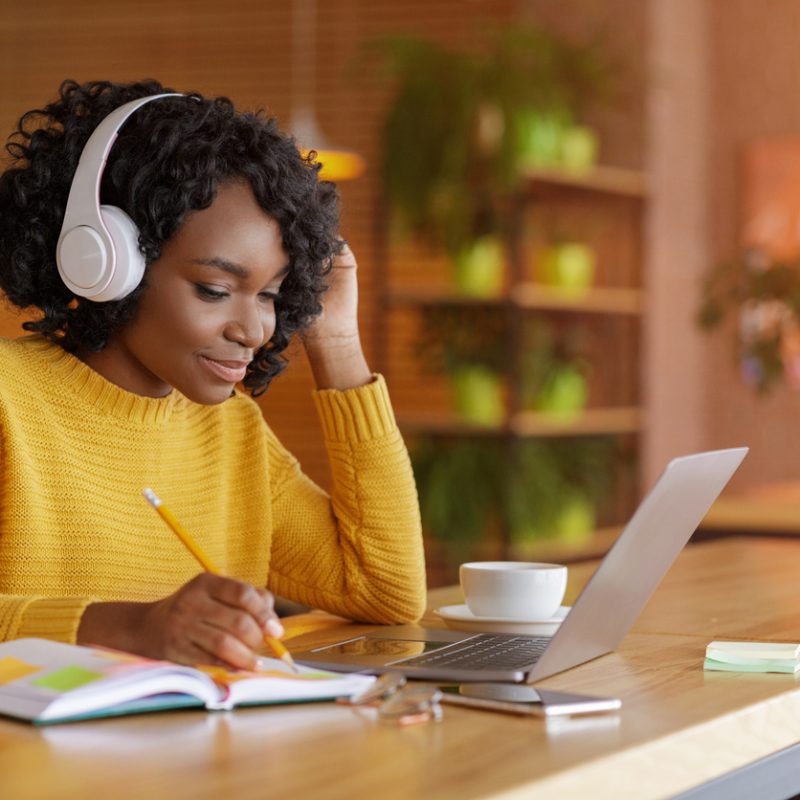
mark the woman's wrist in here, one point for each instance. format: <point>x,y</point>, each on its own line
<point>337,362</point>
<point>118,625</point>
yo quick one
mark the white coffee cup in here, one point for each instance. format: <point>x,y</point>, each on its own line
<point>522,590</point>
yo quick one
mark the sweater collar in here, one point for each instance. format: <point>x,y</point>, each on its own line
<point>104,396</point>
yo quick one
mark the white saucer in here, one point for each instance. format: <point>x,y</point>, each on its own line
<point>460,618</point>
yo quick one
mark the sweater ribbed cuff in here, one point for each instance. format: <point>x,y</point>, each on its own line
<point>53,618</point>
<point>361,414</point>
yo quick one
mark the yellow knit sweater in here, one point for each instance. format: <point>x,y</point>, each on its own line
<point>76,452</point>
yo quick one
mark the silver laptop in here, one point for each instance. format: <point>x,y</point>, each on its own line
<point>602,615</point>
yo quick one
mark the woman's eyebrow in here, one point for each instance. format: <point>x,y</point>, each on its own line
<point>233,267</point>
<point>226,266</point>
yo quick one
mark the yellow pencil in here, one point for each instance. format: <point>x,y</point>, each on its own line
<point>191,545</point>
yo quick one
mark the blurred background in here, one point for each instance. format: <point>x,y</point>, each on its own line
<point>576,224</point>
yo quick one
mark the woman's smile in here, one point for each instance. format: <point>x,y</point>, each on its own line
<point>229,371</point>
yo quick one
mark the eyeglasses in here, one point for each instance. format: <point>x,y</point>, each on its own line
<point>398,702</point>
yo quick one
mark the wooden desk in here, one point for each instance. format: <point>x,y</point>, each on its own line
<point>679,727</point>
<point>770,509</point>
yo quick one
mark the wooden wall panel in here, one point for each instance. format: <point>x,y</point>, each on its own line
<point>755,66</point>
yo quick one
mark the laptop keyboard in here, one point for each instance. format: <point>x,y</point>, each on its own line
<point>485,651</point>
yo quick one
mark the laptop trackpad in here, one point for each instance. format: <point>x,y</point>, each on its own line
<point>416,633</point>
<point>383,645</point>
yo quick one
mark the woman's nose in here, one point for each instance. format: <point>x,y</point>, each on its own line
<point>252,327</point>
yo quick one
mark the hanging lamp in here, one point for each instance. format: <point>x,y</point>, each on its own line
<point>337,164</point>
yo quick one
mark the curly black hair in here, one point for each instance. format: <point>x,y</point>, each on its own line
<point>170,158</point>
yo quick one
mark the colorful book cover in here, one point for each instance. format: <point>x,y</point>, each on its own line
<point>43,682</point>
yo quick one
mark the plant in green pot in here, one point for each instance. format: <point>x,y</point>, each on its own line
<point>579,148</point>
<point>555,490</point>
<point>537,490</point>
<point>479,267</point>
<point>540,136</point>
<point>549,139</point>
<point>543,115</point>
<point>477,394</point>
<point>554,372</point>
<point>763,295</point>
<point>564,391</point>
<point>469,346</point>
<point>463,125</point>
<point>568,266</point>
<point>458,488</point>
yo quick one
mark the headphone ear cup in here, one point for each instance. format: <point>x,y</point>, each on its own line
<point>128,263</point>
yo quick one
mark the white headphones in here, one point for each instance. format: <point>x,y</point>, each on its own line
<point>98,252</point>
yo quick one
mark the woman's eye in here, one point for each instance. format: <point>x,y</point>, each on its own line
<point>273,296</point>
<point>209,293</point>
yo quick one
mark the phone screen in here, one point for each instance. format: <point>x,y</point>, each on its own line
<point>522,699</point>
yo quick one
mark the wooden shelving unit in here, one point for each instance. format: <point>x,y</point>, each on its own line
<point>608,203</point>
<point>598,300</point>
<point>563,552</point>
<point>529,295</point>
<point>592,422</point>
<point>608,180</point>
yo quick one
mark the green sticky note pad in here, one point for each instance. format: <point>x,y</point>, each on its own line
<point>12,669</point>
<point>67,678</point>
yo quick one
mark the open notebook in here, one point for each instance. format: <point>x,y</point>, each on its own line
<point>44,682</point>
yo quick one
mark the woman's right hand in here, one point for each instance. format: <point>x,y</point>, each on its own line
<point>209,620</point>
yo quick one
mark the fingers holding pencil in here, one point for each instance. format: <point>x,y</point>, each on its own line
<point>239,605</point>
<point>260,606</point>
<point>212,620</point>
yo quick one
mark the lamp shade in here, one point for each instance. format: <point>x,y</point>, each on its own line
<point>337,164</point>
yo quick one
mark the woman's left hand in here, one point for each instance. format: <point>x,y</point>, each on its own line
<point>339,319</point>
<point>332,341</point>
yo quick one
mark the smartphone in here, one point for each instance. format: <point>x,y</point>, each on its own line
<point>520,699</point>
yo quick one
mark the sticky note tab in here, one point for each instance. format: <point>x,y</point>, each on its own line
<point>755,650</point>
<point>11,669</point>
<point>67,678</point>
<point>774,666</point>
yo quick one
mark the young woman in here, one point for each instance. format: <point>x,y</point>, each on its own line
<point>102,399</point>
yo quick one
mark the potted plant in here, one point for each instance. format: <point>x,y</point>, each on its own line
<point>764,294</point>
<point>555,489</point>
<point>554,374</point>
<point>470,493</point>
<point>568,266</point>
<point>463,125</point>
<point>459,485</point>
<point>469,346</point>
<point>479,267</point>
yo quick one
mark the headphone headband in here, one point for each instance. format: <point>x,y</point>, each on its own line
<point>89,253</point>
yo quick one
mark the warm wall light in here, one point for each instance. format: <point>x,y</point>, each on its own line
<point>337,164</point>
